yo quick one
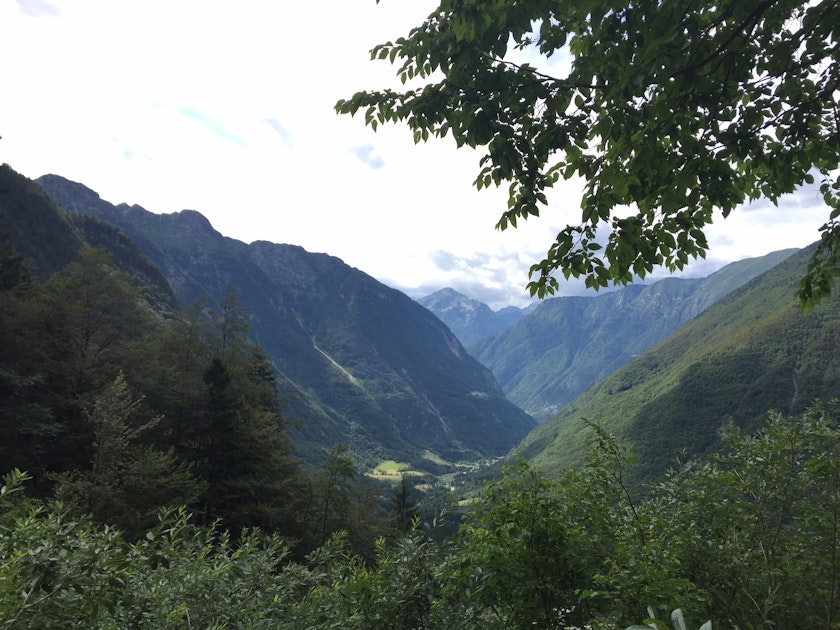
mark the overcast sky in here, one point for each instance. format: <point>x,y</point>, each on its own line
<point>227,108</point>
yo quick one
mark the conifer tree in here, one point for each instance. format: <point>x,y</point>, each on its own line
<point>126,482</point>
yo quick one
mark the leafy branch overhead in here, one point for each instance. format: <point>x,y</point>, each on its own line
<point>670,110</point>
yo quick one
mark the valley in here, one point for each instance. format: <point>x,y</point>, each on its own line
<point>268,387</point>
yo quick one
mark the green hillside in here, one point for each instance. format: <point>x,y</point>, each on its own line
<point>568,344</point>
<point>751,352</point>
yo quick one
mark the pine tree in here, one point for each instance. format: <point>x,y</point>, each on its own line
<point>126,482</point>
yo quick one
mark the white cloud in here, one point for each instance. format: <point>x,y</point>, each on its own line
<point>37,8</point>
<point>285,137</point>
<point>368,155</point>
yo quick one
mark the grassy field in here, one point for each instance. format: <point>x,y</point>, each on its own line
<point>434,457</point>
<point>390,470</point>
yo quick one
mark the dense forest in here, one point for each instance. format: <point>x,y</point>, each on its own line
<point>151,484</point>
<point>116,409</point>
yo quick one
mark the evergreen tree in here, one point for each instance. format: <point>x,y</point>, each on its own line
<point>126,482</point>
<point>13,272</point>
<point>88,324</point>
<point>333,491</point>
<point>403,507</point>
<point>230,330</point>
<point>28,427</point>
<point>172,376</point>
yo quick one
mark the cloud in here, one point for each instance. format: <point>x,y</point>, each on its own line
<point>129,154</point>
<point>366,154</point>
<point>445,261</point>
<point>496,278</point>
<point>37,8</point>
<point>213,125</point>
<point>285,137</point>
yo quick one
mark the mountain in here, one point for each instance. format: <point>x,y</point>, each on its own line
<point>748,353</point>
<point>469,319</point>
<point>48,238</point>
<point>362,363</point>
<point>568,344</point>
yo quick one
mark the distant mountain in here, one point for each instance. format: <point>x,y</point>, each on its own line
<point>568,344</point>
<point>750,352</point>
<point>469,319</point>
<point>363,363</point>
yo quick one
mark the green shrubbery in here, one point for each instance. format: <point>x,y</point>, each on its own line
<point>746,539</point>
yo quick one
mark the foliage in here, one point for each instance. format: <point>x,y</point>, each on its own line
<point>134,421</point>
<point>13,272</point>
<point>403,510</point>
<point>26,423</point>
<point>519,563</point>
<point>329,496</point>
<point>56,571</point>
<point>668,112</point>
<point>769,504</point>
<point>97,317</point>
<point>127,482</point>
<point>748,539</point>
<point>76,351</point>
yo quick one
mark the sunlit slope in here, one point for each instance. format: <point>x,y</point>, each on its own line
<point>568,344</point>
<point>748,353</point>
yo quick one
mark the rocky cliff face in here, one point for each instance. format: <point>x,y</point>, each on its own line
<point>363,363</point>
<point>470,319</point>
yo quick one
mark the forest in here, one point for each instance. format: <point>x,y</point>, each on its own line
<point>150,482</point>
<point>116,409</point>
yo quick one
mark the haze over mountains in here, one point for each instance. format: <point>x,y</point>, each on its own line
<point>471,319</point>
<point>363,364</point>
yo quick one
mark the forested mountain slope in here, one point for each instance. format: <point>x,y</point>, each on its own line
<point>363,363</point>
<point>49,238</point>
<point>568,344</point>
<point>751,352</point>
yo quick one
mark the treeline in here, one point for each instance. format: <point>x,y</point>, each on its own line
<point>117,410</point>
<point>746,540</point>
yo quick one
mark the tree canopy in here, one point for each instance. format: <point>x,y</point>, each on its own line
<point>668,110</point>
<point>748,538</point>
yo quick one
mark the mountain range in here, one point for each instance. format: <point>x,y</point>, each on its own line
<point>551,353</point>
<point>664,367</point>
<point>751,352</point>
<point>361,363</point>
<point>470,319</point>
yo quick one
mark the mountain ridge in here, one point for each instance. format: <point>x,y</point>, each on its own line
<point>470,319</point>
<point>322,322</point>
<point>750,352</point>
<point>567,344</point>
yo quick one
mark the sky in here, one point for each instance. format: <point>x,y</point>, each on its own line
<point>227,108</point>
